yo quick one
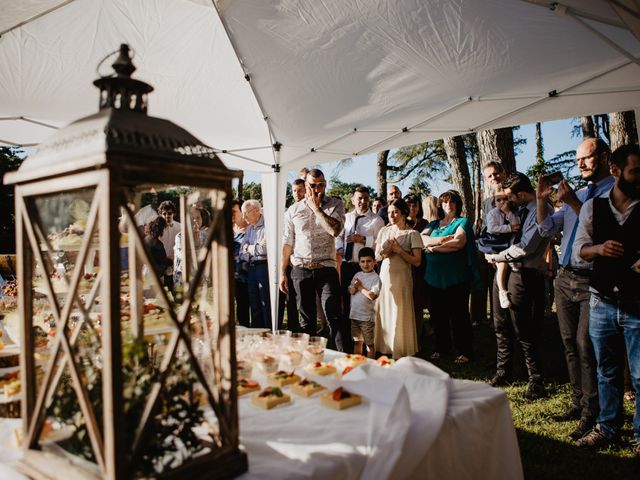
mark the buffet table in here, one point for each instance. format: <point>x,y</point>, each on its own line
<point>415,422</point>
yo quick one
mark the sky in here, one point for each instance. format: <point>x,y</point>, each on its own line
<point>556,136</point>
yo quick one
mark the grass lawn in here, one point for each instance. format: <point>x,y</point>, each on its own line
<point>546,450</point>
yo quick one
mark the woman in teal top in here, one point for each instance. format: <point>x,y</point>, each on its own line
<point>451,270</point>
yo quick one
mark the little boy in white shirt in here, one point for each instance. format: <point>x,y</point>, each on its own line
<point>364,289</point>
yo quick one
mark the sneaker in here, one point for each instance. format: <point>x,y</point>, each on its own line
<point>572,413</point>
<point>500,380</point>
<point>504,299</point>
<point>535,390</point>
<point>584,427</point>
<point>595,439</point>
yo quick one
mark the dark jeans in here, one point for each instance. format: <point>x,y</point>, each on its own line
<point>242,303</point>
<point>479,297</point>
<point>259,300</point>
<point>347,272</point>
<point>450,312</point>
<point>614,324</point>
<point>572,304</point>
<point>288,301</point>
<point>325,283</point>
<point>518,322</point>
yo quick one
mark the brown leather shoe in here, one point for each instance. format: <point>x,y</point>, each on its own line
<point>584,427</point>
<point>595,439</point>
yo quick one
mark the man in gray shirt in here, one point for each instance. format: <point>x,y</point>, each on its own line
<point>310,229</point>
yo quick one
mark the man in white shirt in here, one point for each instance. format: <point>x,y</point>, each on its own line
<point>167,210</point>
<point>361,227</point>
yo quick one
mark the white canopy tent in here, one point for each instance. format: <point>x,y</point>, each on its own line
<point>279,84</point>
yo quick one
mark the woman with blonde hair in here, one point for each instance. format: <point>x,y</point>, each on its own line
<point>430,208</point>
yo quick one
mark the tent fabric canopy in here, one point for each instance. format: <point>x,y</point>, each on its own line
<point>275,85</point>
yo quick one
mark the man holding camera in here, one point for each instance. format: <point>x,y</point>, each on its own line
<point>572,282</point>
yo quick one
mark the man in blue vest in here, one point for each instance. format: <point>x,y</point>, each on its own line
<point>572,282</point>
<point>608,236</point>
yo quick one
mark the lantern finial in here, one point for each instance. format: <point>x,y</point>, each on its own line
<point>120,91</point>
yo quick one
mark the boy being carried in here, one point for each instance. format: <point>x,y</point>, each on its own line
<point>364,289</point>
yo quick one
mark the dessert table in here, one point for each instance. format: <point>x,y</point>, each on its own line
<point>414,422</point>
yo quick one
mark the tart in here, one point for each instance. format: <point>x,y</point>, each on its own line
<point>270,397</point>
<point>350,360</point>
<point>385,362</point>
<point>306,387</point>
<point>340,399</point>
<point>245,386</point>
<point>282,378</point>
<point>320,368</point>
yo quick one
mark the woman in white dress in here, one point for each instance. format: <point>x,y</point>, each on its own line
<point>399,247</point>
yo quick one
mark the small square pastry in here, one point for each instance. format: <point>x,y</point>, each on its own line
<point>306,387</point>
<point>320,368</point>
<point>245,386</point>
<point>385,361</point>
<point>350,360</point>
<point>340,399</point>
<point>270,397</point>
<point>282,378</point>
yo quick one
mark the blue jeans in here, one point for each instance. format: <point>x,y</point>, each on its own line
<point>258,284</point>
<point>612,324</point>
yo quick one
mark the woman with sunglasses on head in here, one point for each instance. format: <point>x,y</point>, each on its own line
<point>451,271</point>
<point>502,223</point>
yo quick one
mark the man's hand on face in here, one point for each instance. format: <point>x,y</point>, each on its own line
<point>313,198</point>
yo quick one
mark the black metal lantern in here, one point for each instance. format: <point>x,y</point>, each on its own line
<point>123,377</point>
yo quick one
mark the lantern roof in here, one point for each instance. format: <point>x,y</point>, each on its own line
<point>120,134</point>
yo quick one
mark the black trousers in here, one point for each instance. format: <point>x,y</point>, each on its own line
<point>325,283</point>
<point>347,272</point>
<point>242,303</point>
<point>518,323</point>
<point>288,301</point>
<point>450,314</point>
<point>479,297</point>
<point>572,303</point>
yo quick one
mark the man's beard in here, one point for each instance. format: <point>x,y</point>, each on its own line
<point>593,174</point>
<point>630,189</point>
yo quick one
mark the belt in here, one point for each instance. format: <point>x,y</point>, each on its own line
<point>312,265</point>
<point>581,272</point>
<point>257,262</point>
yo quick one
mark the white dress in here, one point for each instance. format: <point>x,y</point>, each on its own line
<point>395,330</point>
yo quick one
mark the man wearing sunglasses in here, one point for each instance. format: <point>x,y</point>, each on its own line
<point>310,229</point>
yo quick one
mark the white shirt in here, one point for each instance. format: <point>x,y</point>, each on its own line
<point>584,234</point>
<point>362,307</point>
<point>145,215</point>
<point>369,225</point>
<point>496,218</point>
<point>168,238</point>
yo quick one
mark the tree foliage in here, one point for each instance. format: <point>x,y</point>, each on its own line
<point>10,160</point>
<point>345,190</point>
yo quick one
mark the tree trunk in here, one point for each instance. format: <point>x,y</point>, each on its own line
<point>497,145</point>
<point>240,187</point>
<point>539,145</point>
<point>381,173</point>
<point>622,129</point>
<point>587,126</point>
<point>457,157</point>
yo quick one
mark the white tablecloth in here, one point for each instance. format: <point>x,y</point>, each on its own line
<point>416,423</point>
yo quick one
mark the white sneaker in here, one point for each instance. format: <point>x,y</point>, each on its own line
<point>504,299</point>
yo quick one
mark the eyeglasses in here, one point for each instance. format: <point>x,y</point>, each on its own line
<point>247,212</point>
<point>501,200</point>
<point>316,185</point>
